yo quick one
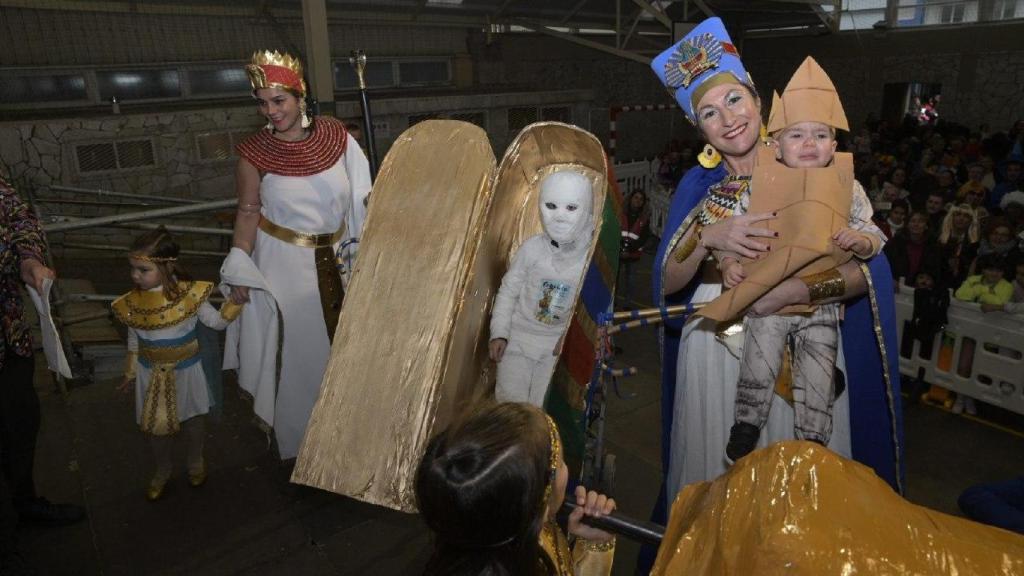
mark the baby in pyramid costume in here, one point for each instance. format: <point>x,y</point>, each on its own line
<point>826,219</point>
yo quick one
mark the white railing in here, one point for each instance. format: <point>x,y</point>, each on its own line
<point>633,176</point>
<point>658,198</point>
<point>979,354</point>
<point>638,175</point>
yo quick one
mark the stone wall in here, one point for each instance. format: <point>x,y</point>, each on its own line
<point>38,155</point>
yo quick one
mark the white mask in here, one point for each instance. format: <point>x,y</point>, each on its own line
<point>566,201</point>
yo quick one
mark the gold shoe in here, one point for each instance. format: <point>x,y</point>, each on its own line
<point>156,489</point>
<point>198,477</point>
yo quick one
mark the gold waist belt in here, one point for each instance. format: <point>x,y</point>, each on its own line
<point>160,407</point>
<point>304,239</point>
<point>328,279</point>
<point>168,354</point>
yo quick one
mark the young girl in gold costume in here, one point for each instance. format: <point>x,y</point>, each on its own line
<point>489,487</point>
<point>171,392</point>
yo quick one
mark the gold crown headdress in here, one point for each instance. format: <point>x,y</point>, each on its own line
<point>272,69</point>
<point>810,96</point>
<point>154,259</point>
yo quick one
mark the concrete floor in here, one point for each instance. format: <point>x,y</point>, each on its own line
<point>249,520</point>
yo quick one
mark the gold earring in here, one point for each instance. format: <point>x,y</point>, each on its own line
<point>302,110</point>
<point>709,157</point>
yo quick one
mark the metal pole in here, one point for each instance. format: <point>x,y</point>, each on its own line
<point>124,249</point>
<point>358,61</point>
<point>98,192</point>
<point>84,318</point>
<point>145,226</point>
<point>143,215</point>
<point>109,298</point>
<point>74,202</point>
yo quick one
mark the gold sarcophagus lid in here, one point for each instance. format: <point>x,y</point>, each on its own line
<point>411,346</point>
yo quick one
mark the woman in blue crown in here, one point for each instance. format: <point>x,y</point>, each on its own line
<point>705,74</point>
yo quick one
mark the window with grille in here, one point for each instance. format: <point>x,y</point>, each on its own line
<point>378,74</point>
<point>420,73</point>
<point>952,14</point>
<point>214,146</point>
<point>138,84</point>
<point>229,79</point>
<point>42,88</point>
<point>556,114</point>
<point>478,118</point>
<point>417,118</point>
<point>1004,9</point>
<point>107,156</point>
<point>519,118</point>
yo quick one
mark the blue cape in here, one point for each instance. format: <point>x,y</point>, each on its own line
<point>876,419</point>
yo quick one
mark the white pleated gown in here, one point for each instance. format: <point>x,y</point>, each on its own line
<point>316,204</point>
<point>706,377</point>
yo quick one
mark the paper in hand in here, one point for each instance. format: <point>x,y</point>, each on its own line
<point>55,358</point>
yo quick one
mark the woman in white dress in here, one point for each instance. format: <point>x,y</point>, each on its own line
<point>302,188</point>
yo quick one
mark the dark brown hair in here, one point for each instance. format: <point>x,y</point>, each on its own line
<point>480,488</point>
<point>160,246</point>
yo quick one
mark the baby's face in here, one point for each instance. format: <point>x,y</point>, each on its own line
<point>806,145</point>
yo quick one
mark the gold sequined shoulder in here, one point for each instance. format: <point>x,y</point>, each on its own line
<point>150,310</point>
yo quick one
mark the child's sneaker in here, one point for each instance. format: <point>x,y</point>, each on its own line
<point>958,406</point>
<point>969,406</point>
<point>742,440</point>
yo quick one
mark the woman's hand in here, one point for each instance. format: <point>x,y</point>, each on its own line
<point>787,292</point>
<point>126,386</point>
<point>239,294</point>
<point>590,504</point>
<point>496,348</point>
<point>34,272</point>
<point>738,234</point>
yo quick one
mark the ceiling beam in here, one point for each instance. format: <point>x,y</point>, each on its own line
<point>542,29</point>
<point>704,8</point>
<point>501,8</point>
<point>568,16</point>
<point>658,14</point>
<point>632,28</point>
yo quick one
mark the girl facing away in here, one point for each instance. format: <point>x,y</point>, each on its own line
<point>489,487</point>
<point>162,313</point>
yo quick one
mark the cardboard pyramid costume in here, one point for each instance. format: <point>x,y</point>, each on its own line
<point>411,347</point>
<point>812,203</point>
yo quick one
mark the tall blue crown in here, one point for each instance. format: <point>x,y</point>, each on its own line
<point>705,53</point>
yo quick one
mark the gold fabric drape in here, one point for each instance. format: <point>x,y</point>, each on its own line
<point>796,508</point>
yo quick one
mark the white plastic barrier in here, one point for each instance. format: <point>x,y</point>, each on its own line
<point>658,199</point>
<point>979,354</point>
<point>633,176</point>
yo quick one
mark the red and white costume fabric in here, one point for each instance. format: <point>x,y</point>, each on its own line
<point>316,186</point>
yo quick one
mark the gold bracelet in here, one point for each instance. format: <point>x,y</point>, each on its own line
<point>691,244</point>
<point>129,364</point>
<point>230,311</point>
<point>592,546</point>
<point>825,285</point>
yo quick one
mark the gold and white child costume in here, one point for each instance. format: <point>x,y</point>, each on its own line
<point>163,353</point>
